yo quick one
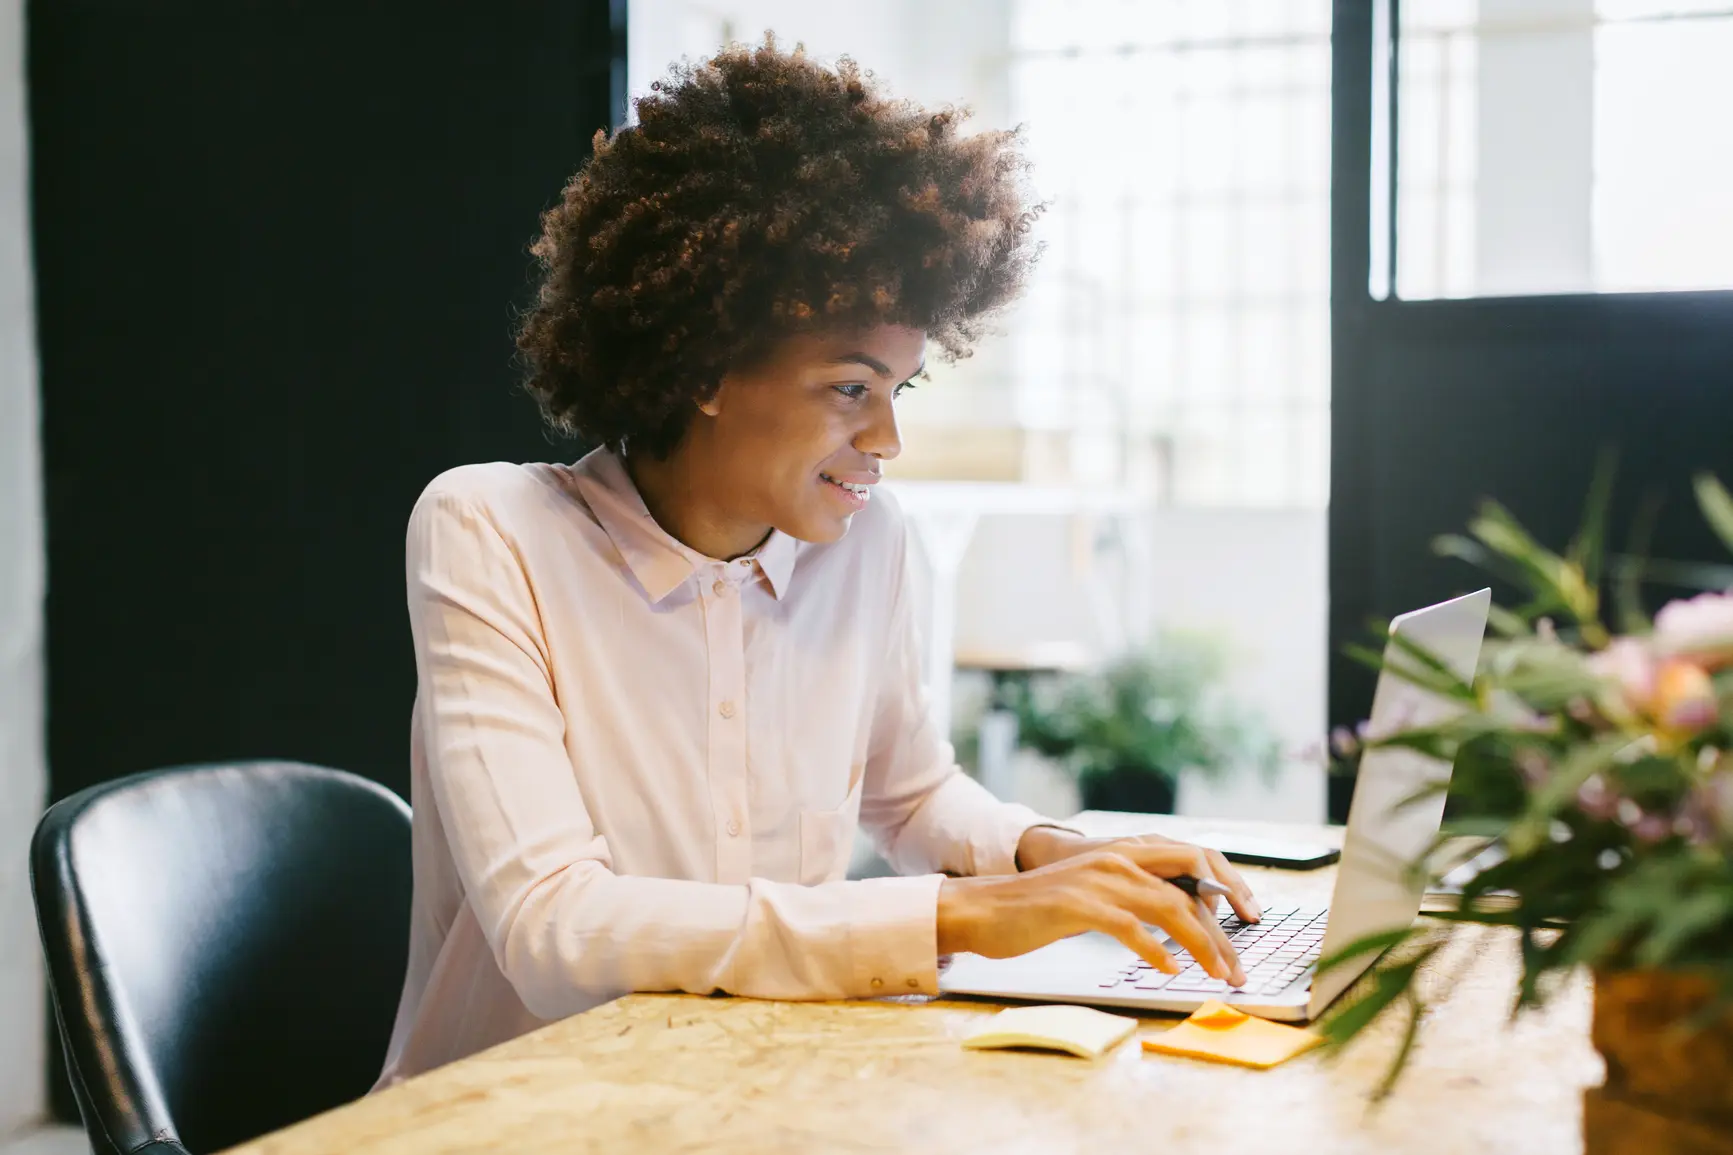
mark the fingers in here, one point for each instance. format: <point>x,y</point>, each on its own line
<point>1129,929</point>
<point>1206,915</point>
<point>1242,899</point>
<point>1187,920</point>
<point>1167,859</point>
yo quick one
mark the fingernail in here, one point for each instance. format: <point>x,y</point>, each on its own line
<point>1257,909</point>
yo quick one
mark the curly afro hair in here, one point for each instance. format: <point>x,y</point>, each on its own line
<point>761,195</point>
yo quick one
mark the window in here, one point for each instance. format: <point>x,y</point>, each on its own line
<point>1177,329</point>
<point>1563,146</point>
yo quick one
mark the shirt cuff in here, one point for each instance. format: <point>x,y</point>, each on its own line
<point>994,849</point>
<point>893,933</point>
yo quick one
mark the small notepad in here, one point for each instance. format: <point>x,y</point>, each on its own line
<point>1218,1032</point>
<point>1076,1030</point>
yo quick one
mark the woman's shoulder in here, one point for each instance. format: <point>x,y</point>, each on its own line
<point>513,497</point>
<point>500,486</point>
<point>484,482</point>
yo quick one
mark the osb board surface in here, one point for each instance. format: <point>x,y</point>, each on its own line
<point>677,1073</point>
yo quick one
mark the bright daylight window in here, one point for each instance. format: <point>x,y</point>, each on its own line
<point>1563,146</point>
<point>1177,329</point>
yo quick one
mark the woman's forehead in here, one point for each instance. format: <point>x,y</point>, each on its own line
<point>886,350</point>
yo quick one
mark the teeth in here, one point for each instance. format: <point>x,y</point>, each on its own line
<point>858,490</point>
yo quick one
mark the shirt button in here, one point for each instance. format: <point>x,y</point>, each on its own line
<point>726,709</point>
<point>745,561</point>
<point>721,589</point>
<point>877,983</point>
<point>914,984</point>
<point>733,829</point>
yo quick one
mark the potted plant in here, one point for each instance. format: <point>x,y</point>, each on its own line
<point>1599,760</point>
<point>1127,730</point>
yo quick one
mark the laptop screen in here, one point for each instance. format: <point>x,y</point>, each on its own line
<point>1376,888</point>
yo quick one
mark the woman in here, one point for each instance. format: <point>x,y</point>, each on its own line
<point>658,689</point>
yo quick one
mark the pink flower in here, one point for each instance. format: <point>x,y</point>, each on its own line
<point>1629,670</point>
<point>1674,691</point>
<point>1596,800</point>
<point>1699,628</point>
<point>1534,766</point>
<point>1628,664</point>
<point>1652,828</point>
<point>1716,797</point>
<point>1684,697</point>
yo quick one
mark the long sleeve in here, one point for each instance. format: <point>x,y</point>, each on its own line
<point>562,926</point>
<point>923,812</point>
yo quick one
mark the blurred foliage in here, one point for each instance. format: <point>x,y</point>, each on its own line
<point>1597,763</point>
<point>1158,710</point>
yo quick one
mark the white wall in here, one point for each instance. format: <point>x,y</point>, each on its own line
<point>23,775</point>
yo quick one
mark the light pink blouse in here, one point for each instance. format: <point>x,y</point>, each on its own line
<point>636,768</point>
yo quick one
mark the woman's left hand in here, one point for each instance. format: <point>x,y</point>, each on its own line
<point>1043,845</point>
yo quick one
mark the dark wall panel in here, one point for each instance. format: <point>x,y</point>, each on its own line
<point>279,248</point>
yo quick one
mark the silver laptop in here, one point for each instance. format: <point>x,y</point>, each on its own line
<point>1374,891</point>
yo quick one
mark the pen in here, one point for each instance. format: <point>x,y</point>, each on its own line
<point>1200,887</point>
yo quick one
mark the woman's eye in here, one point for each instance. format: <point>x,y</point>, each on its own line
<point>855,391</point>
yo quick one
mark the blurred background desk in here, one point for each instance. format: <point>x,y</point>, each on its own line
<point>664,1073</point>
<point>943,516</point>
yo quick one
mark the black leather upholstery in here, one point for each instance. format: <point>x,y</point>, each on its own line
<point>225,945</point>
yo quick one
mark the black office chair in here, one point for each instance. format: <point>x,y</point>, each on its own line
<point>226,947</point>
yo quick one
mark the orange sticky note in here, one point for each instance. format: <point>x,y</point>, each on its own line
<point>1222,1034</point>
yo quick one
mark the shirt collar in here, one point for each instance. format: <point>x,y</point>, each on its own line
<point>659,562</point>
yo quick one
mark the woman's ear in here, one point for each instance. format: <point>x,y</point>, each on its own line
<point>711,405</point>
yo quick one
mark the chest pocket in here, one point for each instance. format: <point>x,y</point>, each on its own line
<point>827,836</point>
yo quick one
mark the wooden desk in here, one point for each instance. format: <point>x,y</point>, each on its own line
<point>676,1073</point>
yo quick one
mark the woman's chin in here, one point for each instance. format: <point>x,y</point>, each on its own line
<point>820,530</point>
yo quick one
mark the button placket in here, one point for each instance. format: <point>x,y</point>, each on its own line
<point>726,645</point>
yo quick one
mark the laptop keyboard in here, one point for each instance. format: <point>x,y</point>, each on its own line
<point>1275,953</point>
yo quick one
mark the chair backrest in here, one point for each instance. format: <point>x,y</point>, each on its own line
<point>226,946</point>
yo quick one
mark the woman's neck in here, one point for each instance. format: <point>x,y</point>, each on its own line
<point>676,490</point>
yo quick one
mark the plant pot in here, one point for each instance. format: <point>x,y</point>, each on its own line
<point>1128,788</point>
<point>1669,1089</point>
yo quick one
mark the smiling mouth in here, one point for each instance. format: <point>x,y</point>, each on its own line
<point>863,492</point>
<point>856,489</point>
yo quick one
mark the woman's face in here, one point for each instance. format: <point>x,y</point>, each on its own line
<point>796,442</point>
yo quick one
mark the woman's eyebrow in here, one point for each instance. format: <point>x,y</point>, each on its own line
<point>872,363</point>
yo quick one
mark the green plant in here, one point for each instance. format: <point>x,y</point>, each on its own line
<point>1597,761</point>
<point>1157,710</point>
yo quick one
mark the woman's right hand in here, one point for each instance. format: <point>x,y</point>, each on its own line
<point>1000,916</point>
